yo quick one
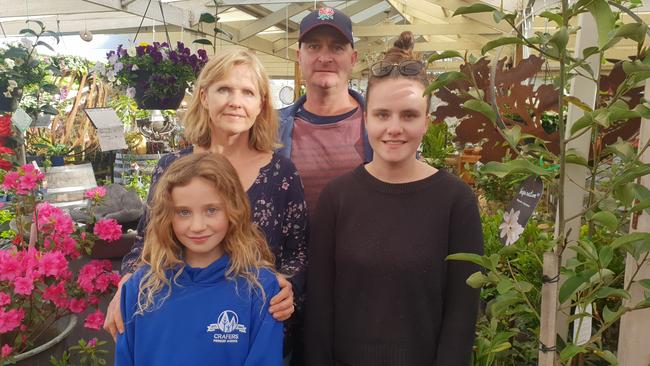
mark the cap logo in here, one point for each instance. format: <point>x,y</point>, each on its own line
<point>326,14</point>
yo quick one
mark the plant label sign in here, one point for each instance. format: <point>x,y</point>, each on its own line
<point>21,120</point>
<point>110,131</point>
<point>520,209</point>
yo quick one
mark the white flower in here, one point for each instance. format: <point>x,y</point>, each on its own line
<point>10,63</point>
<point>99,68</point>
<point>118,67</point>
<point>19,61</point>
<point>130,92</point>
<point>113,59</point>
<point>12,84</point>
<point>510,227</point>
<point>135,68</point>
<point>110,75</point>
<point>27,43</point>
<point>7,94</point>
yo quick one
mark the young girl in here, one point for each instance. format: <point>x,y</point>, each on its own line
<point>201,294</point>
<point>380,292</point>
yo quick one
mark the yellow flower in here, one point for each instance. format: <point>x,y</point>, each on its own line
<point>143,44</point>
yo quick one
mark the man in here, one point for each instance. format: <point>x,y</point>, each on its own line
<point>323,132</point>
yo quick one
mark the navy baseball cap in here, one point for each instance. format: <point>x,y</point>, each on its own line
<point>327,16</point>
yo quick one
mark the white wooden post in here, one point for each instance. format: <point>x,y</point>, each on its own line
<point>634,335</point>
<point>574,193</point>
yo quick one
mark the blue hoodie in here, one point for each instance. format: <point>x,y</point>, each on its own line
<point>207,320</point>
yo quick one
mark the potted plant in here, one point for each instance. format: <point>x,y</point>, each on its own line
<point>157,75</point>
<point>53,152</point>
<point>20,67</point>
<point>39,283</point>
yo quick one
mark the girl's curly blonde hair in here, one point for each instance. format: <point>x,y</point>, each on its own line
<point>163,251</point>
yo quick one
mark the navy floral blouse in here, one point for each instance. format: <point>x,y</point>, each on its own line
<point>279,210</point>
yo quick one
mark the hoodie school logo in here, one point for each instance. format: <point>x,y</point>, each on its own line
<point>227,328</point>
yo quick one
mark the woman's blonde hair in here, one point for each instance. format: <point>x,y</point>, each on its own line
<point>163,251</point>
<point>263,134</point>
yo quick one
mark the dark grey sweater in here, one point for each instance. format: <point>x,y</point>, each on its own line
<point>380,292</point>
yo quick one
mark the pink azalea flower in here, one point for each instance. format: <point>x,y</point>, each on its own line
<point>6,350</point>
<point>108,230</point>
<point>54,221</point>
<point>77,306</point>
<point>92,342</point>
<point>102,282</point>
<point>9,266</point>
<point>10,320</point>
<point>53,264</point>
<point>10,182</point>
<point>4,299</point>
<point>57,295</point>
<point>24,285</point>
<point>96,194</point>
<point>94,320</point>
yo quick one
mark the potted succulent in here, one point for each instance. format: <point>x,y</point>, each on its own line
<point>157,75</point>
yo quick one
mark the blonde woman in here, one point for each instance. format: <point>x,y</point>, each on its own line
<point>200,296</point>
<point>231,115</point>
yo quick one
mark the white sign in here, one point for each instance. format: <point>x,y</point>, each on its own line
<point>110,131</point>
<point>21,120</point>
<point>582,326</point>
<point>43,121</point>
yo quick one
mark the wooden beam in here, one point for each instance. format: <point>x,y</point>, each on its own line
<point>420,29</point>
<point>272,19</point>
<point>182,18</point>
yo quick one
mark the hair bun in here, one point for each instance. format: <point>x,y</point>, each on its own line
<point>405,41</point>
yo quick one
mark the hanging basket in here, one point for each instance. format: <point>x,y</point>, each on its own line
<point>172,101</point>
<point>10,104</point>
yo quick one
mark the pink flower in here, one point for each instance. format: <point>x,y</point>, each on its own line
<point>53,264</point>
<point>96,194</point>
<point>77,306</point>
<point>108,229</point>
<point>10,320</point>
<point>52,220</point>
<point>24,180</point>
<point>4,299</point>
<point>94,320</point>
<point>24,285</point>
<point>57,295</point>
<point>102,282</point>
<point>92,342</point>
<point>9,266</point>
<point>91,273</point>
<point>6,350</point>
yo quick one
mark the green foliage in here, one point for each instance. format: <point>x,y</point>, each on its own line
<point>593,270</point>
<point>127,110</point>
<point>211,20</point>
<point>84,353</point>
<point>436,144</point>
<point>506,332</point>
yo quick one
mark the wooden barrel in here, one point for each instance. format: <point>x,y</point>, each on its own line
<point>66,184</point>
<point>126,164</point>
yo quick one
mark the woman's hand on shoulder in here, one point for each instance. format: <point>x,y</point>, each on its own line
<point>282,306</point>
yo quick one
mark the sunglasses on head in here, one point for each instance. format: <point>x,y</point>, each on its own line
<point>406,68</point>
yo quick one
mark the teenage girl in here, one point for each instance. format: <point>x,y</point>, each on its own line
<point>202,291</point>
<point>380,291</point>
